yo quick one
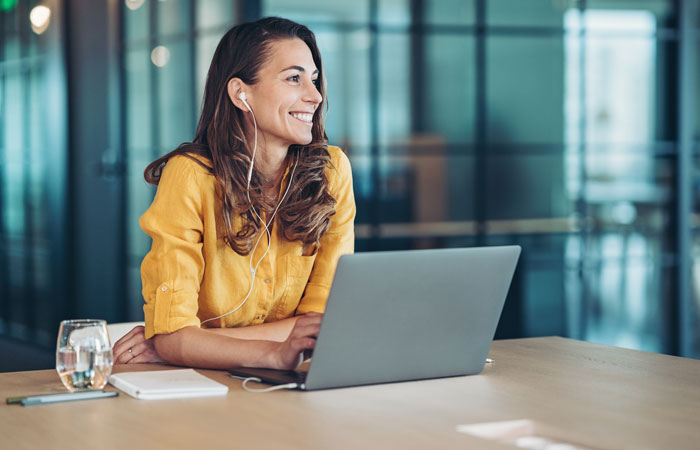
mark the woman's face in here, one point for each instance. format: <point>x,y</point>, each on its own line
<point>285,97</point>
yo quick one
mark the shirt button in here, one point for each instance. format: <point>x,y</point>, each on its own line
<point>164,288</point>
<point>267,280</point>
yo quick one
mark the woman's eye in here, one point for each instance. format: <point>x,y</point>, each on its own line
<point>294,78</point>
<point>315,82</point>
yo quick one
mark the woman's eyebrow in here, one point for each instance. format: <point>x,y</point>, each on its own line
<point>299,68</point>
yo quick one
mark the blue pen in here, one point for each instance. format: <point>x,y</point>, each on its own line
<point>67,397</point>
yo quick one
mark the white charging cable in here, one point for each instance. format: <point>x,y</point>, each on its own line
<point>270,389</point>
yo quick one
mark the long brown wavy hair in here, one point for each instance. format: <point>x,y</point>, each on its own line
<point>221,138</point>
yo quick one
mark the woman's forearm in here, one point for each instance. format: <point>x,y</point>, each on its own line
<point>196,347</point>
<point>272,331</point>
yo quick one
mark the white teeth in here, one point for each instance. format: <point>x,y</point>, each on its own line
<point>303,116</point>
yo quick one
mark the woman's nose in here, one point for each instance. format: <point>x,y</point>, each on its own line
<point>312,95</point>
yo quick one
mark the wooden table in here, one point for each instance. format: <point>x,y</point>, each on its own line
<point>588,394</point>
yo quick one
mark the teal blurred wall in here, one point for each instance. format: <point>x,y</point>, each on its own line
<point>570,128</point>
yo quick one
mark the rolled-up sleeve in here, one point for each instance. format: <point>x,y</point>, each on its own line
<point>338,240</point>
<point>172,271</point>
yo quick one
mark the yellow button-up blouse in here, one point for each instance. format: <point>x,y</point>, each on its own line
<point>191,274</point>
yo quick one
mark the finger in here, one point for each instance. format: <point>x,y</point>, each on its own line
<point>301,334</point>
<point>136,338</point>
<point>140,348</point>
<point>130,349</point>
<point>119,355</point>
<point>144,347</point>
<point>300,344</point>
<point>126,358</point>
<point>123,357</point>
<point>316,321</point>
<point>149,356</point>
<point>128,340</point>
<point>141,359</point>
<point>133,332</point>
<point>306,330</point>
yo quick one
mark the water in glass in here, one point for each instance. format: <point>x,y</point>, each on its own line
<point>83,354</point>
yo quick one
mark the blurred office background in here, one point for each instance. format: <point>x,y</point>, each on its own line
<point>571,128</point>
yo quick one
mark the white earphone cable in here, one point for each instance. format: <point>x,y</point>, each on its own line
<point>253,270</point>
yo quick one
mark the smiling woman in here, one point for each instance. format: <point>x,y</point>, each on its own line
<point>250,218</point>
<point>291,91</point>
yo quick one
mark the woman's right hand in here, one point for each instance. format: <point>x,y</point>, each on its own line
<point>300,342</point>
<point>134,348</point>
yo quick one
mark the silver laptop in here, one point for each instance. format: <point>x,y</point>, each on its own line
<point>405,315</point>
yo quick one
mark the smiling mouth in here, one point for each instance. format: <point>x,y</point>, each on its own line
<point>307,118</point>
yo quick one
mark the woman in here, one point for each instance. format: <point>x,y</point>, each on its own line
<point>250,218</point>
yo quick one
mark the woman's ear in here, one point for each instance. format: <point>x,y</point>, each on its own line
<point>235,88</point>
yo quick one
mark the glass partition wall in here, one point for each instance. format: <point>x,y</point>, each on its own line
<point>568,127</point>
<point>551,125</point>
<point>34,240</point>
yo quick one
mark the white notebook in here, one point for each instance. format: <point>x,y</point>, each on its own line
<point>162,384</point>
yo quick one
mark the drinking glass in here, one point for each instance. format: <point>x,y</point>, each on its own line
<point>83,354</point>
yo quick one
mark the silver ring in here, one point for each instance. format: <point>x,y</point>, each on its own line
<point>130,351</point>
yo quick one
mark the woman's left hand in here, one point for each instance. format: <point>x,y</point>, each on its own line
<point>134,348</point>
<point>299,344</point>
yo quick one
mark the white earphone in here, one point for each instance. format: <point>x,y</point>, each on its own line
<point>243,98</point>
